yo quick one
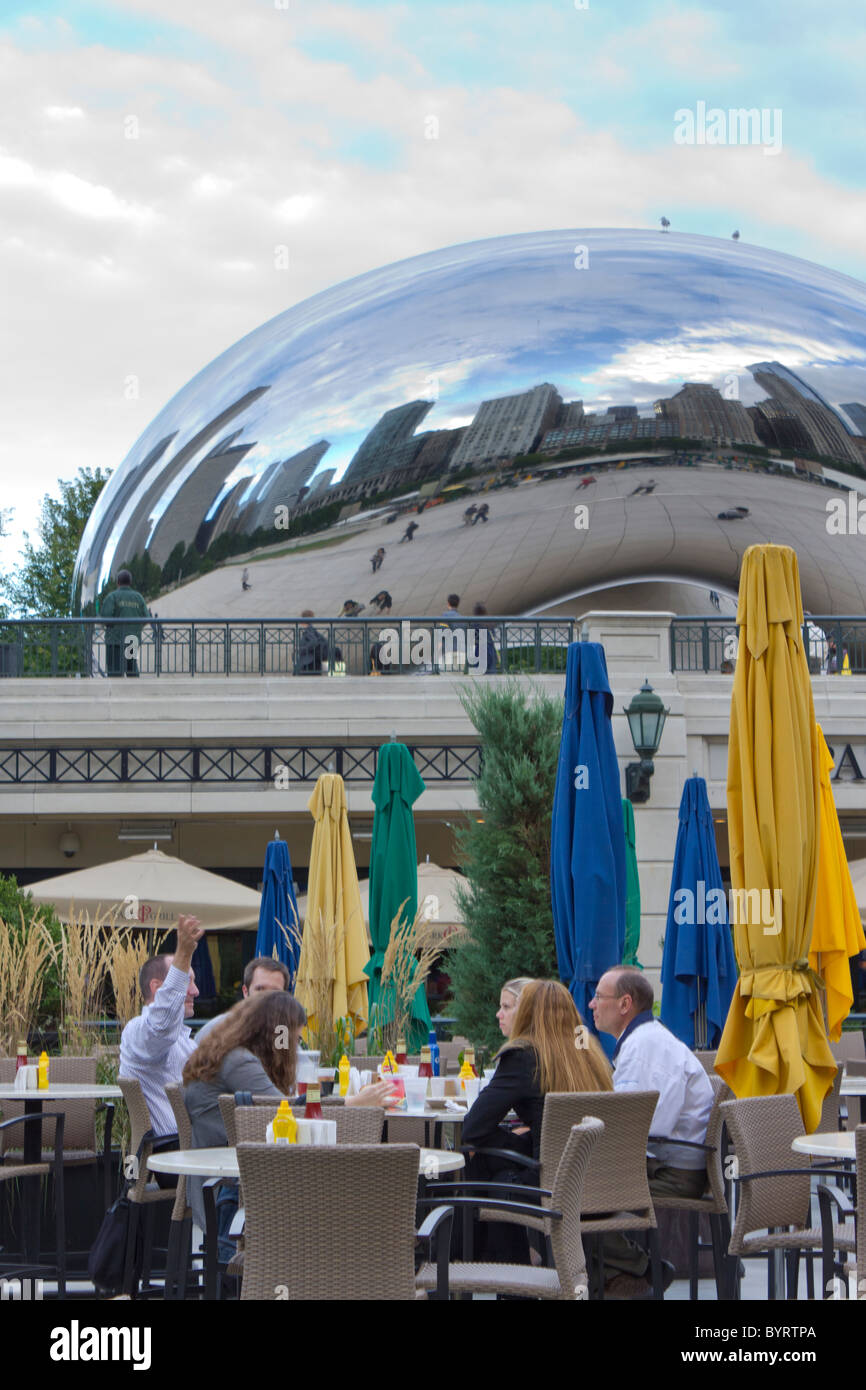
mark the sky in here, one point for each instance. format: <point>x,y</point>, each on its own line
<point>174,175</point>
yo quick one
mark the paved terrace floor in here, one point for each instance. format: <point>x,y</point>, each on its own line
<point>530,556</point>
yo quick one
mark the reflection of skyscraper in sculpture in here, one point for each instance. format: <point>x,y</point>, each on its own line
<point>817,418</point>
<point>136,531</point>
<point>856,412</point>
<point>120,497</point>
<point>222,517</point>
<point>698,411</point>
<point>389,443</point>
<point>282,483</point>
<point>182,518</point>
<point>320,483</point>
<point>508,425</point>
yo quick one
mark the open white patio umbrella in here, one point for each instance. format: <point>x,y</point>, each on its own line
<point>437,897</point>
<point>149,890</point>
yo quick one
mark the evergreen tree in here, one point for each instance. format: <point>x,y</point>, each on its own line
<point>506,855</point>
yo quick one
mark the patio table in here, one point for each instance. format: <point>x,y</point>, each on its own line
<point>223,1162</point>
<point>838,1144</point>
<point>33,1101</point>
<point>855,1086</point>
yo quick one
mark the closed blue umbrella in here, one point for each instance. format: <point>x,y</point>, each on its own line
<point>278,907</point>
<point>203,969</point>
<point>699,971</point>
<point>587,850</point>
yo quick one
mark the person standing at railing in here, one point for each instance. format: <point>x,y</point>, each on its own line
<point>123,642</point>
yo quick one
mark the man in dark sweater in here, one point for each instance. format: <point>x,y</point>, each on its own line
<point>123,641</point>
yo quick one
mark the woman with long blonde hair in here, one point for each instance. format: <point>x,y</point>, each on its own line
<point>550,1049</point>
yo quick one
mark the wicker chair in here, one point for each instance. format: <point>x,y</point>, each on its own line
<point>11,1171</point>
<point>180,1227</point>
<point>850,1047</point>
<point>774,1188</point>
<point>707,1061</point>
<point>302,1206</point>
<point>616,1195</point>
<point>830,1197</point>
<point>830,1117</point>
<point>712,1203</point>
<point>143,1194</point>
<point>562,1224</point>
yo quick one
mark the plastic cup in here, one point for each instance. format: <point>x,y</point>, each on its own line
<point>437,1087</point>
<point>408,1069</point>
<point>416,1093</point>
<point>472,1086</point>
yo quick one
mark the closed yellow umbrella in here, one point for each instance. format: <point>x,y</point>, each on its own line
<point>774,1040</point>
<point>837,932</point>
<point>334,904</point>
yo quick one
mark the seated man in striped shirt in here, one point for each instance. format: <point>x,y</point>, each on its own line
<point>155,1046</point>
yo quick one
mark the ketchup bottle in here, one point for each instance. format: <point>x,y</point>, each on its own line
<point>313,1109</point>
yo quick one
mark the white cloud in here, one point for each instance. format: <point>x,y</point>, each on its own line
<point>211,186</point>
<point>297,208</point>
<point>75,194</point>
<point>64,113</point>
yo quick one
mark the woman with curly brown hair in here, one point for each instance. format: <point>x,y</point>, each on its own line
<point>254,1048</point>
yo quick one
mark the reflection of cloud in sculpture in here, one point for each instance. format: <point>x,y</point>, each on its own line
<point>491,319</point>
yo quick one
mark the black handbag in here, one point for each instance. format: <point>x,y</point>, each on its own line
<point>106,1262</point>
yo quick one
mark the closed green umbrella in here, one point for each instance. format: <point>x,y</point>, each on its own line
<point>394,876</point>
<point>632,890</point>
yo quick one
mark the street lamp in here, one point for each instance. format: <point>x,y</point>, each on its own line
<point>646,719</point>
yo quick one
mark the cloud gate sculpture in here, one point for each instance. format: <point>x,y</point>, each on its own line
<point>713,392</point>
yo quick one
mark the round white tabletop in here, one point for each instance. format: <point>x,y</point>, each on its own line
<point>446,1116</point>
<point>828,1144</point>
<point>66,1090</point>
<point>223,1163</point>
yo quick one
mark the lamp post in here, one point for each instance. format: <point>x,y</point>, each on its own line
<point>646,719</point>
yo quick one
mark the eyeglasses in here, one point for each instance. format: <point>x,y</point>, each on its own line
<point>605,996</point>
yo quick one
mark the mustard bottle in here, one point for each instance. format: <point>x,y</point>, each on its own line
<point>285,1125</point>
<point>42,1072</point>
<point>344,1069</point>
<point>467,1072</point>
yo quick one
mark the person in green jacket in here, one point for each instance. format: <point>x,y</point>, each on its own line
<point>122,642</point>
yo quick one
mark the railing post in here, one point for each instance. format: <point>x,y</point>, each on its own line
<point>192,657</point>
<point>537,646</point>
<point>156,629</point>
<point>705,643</point>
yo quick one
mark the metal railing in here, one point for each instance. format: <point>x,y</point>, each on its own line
<point>93,647</point>
<point>285,764</point>
<point>711,644</point>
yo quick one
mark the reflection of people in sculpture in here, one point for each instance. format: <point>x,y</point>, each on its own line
<point>351,609</point>
<point>644,487</point>
<point>382,601</point>
<point>587,481</point>
<point>245,580</point>
<point>376,560</point>
<point>409,532</point>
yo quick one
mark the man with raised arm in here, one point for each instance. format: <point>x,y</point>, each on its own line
<point>155,1046</point>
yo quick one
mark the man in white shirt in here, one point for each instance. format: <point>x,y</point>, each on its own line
<point>648,1057</point>
<point>155,1047</point>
